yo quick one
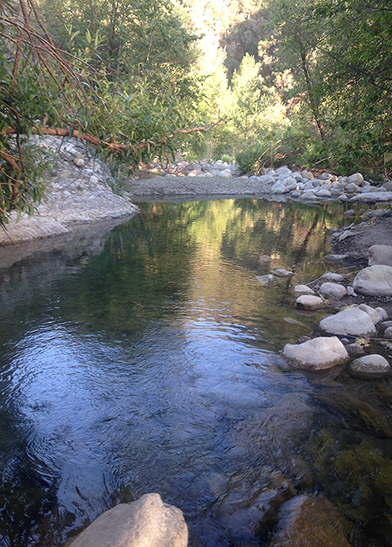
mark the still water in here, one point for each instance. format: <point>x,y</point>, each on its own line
<point>148,361</point>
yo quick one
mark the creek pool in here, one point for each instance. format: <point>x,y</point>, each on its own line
<point>147,360</point>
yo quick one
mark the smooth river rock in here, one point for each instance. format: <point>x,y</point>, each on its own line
<point>316,354</point>
<point>374,315</point>
<point>147,522</point>
<point>333,289</point>
<point>332,276</point>
<point>380,254</point>
<point>299,290</point>
<point>374,281</point>
<point>349,322</point>
<point>370,364</point>
<point>309,302</point>
<point>309,521</point>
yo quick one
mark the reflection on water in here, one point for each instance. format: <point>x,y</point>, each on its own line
<point>154,367</point>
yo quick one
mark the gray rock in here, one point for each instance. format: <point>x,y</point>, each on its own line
<point>335,257</point>
<point>387,187</point>
<point>356,178</point>
<point>265,258</point>
<point>343,198</point>
<point>388,332</point>
<point>266,279</point>
<point>323,194</point>
<point>352,188</point>
<point>309,194</point>
<point>302,289</point>
<point>371,197</point>
<point>382,313</point>
<point>279,188</point>
<point>280,272</point>
<point>354,350</point>
<point>317,354</point>
<point>372,313</point>
<point>333,289</point>
<point>374,281</point>
<point>147,522</point>
<point>380,254</point>
<point>332,276</point>
<point>309,302</point>
<point>307,175</point>
<point>349,322</point>
<point>370,364</point>
<point>350,291</point>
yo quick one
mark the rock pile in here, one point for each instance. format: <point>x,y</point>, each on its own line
<point>303,185</point>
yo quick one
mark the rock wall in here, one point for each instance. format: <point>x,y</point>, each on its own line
<point>78,192</point>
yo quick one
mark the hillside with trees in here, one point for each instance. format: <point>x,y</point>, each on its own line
<point>264,82</point>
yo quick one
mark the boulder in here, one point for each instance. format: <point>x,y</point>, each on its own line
<point>309,194</point>
<point>356,178</point>
<point>388,332</point>
<point>333,289</point>
<point>387,187</point>
<point>307,175</point>
<point>380,254</point>
<point>147,522</point>
<point>309,521</point>
<point>331,276</point>
<point>302,289</point>
<point>374,281</point>
<point>349,322</point>
<point>354,350</point>
<point>309,302</point>
<point>383,313</point>
<point>279,188</point>
<point>317,354</point>
<point>370,364</point>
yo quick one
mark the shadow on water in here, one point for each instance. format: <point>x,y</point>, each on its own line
<point>152,365</point>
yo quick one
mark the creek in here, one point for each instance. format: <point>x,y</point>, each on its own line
<point>148,361</point>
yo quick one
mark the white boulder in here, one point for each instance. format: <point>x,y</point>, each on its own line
<point>147,522</point>
<point>333,289</point>
<point>317,354</point>
<point>349,322</point>
<point>374,281</point>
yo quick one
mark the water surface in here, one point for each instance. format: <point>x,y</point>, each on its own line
<point>149,362</point>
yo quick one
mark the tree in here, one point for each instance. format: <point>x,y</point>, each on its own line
<point>46,90</point>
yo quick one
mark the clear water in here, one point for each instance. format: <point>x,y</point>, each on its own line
<point>149,362</point>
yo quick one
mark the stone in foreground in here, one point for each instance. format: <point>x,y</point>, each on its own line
<point>349,322</point>
<point>309,521</point>
<point>147,522</point>
<point>333,289</point>
<point>374,281</point>
<point>317,354</point>
<point>309,302</point>
<point>370,364</point>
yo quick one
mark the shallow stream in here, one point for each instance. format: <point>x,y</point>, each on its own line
<point>148,361</point>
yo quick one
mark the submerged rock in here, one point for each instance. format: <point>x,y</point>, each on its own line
<point>374,281</point>
<point>309,302</point>
<point>303,289</point>
<point>147,522</point>
<point>308,521</point>
<point>280,272</point>
<point>317,354</point>
<point>349,322</point>
<point>370,364</point>
<point>266,280</point>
